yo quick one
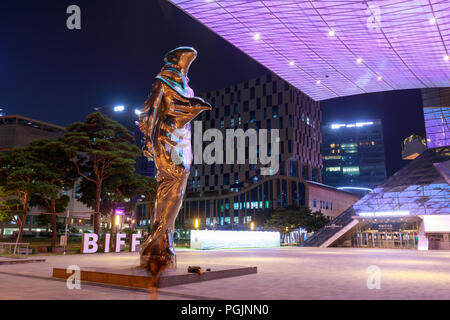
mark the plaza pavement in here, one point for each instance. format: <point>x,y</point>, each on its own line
<point>283,273</point>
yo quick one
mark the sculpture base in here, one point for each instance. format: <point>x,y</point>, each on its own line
<point>139,278</point>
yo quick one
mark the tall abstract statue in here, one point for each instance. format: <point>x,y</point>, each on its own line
<point>165,122</point>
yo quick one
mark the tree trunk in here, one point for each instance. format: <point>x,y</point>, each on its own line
<point>19,235</point>
<point>22,223</point>
<point>96,217</point>
<point>54,231</point>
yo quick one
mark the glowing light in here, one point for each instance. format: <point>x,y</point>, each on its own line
<point>351,125</point>
<point>355,188</point>
<point>119,108</point>
<point>208,239</point>
<point>119,212</point>
<point>256,36</point>
<point>331,33</point>
<point>384,214</point>
<point>117,220</point>
<point>137,112</point>
<point>359,60</point>
<point>432,20</point>
<point>196,224</point>
<point>379,78</point>
<point>446,57</point>
<point>252,225</point>
<point>318,81</point>
<point>291,63</point>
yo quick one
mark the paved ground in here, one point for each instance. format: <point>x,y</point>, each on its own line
<point>285,273</point>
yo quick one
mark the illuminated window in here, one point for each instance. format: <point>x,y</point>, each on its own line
<point>332,145</point>
<point>332,157</point>
<point>373,143</point>
<point>333,169</point>
<point>351,171</point>
<point>332,151</point>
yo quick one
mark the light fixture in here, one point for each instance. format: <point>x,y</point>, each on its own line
<point>379,78</point>
<point>119,108</point>
<point>252,225</point>
<point>432,20</point>
<point>256,36</point>
<point>291,63</point>
<point>446,57</point>
<point>318,81</point>
<point>137,112</point>
<point>331,33</point>
<point>359,60</point>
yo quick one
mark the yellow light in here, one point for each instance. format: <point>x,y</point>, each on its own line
<point>252,225</point>
<point>318,81</point>
<point>196,224</point>
<point>117,220</point>
<point>132,221</point>
<point>79,221</point>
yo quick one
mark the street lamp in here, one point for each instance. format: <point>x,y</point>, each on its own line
<point>196,224</point>
<point>252,225</point>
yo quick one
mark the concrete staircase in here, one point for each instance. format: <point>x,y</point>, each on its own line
<point>332,231</point>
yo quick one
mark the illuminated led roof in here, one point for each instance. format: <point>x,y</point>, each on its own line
<point>332,48</point>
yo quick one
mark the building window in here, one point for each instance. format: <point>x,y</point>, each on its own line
<point>315,203</point>
<point>252,116</point>
<point>275,112</point>
<point>351,171</point>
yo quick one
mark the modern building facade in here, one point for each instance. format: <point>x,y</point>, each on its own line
<point>353,154</point>
<point>411,209</point>
<point>128,117</point>
<point>230,195</point>
<point>413,146</point>
<point>18,131</point>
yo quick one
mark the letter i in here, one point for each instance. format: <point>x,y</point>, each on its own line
<point>107,242</point>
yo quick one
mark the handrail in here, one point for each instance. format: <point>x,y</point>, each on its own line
<point>10,244</point>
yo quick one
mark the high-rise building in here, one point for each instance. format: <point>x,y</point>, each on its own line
<point>353,154</point>
<point>411,208</point>
<point>128,117</point>
<point>231,194</point>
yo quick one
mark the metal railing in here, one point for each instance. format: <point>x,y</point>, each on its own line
<point>13,247</point>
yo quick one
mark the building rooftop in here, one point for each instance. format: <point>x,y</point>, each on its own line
<point>329,49</point>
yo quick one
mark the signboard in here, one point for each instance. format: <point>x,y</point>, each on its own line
<point>89,242</point>
<point>208,239</point>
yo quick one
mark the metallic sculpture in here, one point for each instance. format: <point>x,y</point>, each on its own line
<point>165,122</point>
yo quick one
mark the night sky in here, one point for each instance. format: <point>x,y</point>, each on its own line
<point>54,74</point>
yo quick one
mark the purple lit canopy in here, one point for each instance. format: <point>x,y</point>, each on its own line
<point>332,48</point>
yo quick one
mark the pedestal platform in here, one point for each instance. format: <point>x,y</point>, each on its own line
<point>136,277</point>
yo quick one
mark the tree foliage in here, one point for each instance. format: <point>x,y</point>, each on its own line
<point>101,144</point>
<point>55,173</point>
<point>287,219</point>
<point>18,179</point>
